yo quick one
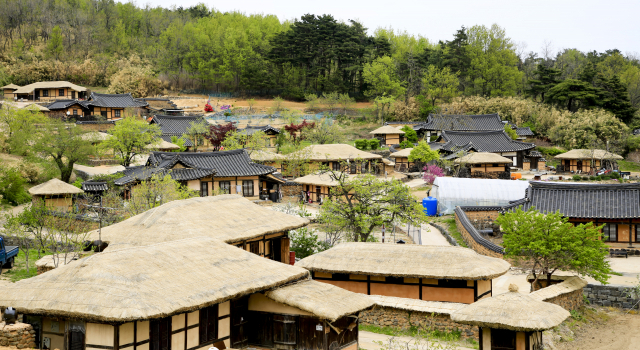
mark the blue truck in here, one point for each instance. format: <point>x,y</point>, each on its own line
<point>7,255</point>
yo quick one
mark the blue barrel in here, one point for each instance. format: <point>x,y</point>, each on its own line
<point>430,205</point>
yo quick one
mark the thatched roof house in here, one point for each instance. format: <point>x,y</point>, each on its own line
<point>588,154</point>
<point>431,273</point>
<point>511,319</point>
<point>483,158</point>
<point>337,152</point>
<point>388,135</point>
<point>177,125</point>
<point>50,90</point>
<point>56,194</point>
<point>587,160</point>
<point>227,218</point>
<point>181,295</point>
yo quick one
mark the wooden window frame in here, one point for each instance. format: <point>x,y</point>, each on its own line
<point>204,188</point>
<point>45,93</point>
<point>247,188</point>
<point>226,188</point>
<point>208,325</point>
<point>155,344</point>
<point>75,111</point>
<point>606,232</point>
<point>60,92</point>
<point>116,113</point>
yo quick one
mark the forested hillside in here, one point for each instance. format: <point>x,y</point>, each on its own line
<point>106,43</point>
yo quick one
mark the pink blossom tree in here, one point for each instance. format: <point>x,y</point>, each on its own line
<point>431,172</point>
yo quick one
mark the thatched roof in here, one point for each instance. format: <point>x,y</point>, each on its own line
<point>387,130</point>
<point>265,156</point>
<point>26,105</point>
<point>10,86</point>
<point>569,285</point>
<point>511,310</point>
<point>162,144</point>
<point>338,151</point>
<point>401,260</point>
<point>438,307</point>
<point>148,282</point>
<point>54,186</point>
<point>319,179</point>
<point>96,136</point>
<point>483,158</point>
<point>402,153</point>
<point>321,299</point>
<point>228,218</point>
<point>588,154</point>
<point>27,89</point>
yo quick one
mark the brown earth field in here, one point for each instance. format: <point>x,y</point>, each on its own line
<point>616,331</point>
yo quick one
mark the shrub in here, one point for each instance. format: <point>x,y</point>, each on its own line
<point>585,178</point>
<point>576,178</point>
<point>374,144</point>
<point>552,151</point>
<point>361,144</point>
<point>29,171</point>
<point>592,178</point>
<point>406,144</point>
<point>614,175</point>
<point>410,134</point>
<point>606,177</point>
<point>433,138</point>
<point>12,186</point>
<point>598,178</point>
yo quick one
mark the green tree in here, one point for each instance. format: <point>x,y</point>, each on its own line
<point>573,95</point>
<point>359,204</point>
<point>547,78</point>
<point>423,153</point>
<point>12,186</point>
<point>325,132</point>
<point>179,141</point>
<point>19,126</point>
<point>63,145</point>
<point>155,192</point>
<point>55,46</point>
<point>510,131</point>
<point>613,97</point>
<point>546,243</point>
<point>381,79</point>
<point>129,138</point>
<point>305,242</point>
<point>440,84</point>
<point>195,132</point>
<point>410,134</point>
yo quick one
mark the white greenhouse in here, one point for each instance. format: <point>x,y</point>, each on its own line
<point>453,191</point>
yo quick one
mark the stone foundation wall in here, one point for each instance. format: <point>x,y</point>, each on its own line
<point>614,296</point>
<point>17,336</point>
<point>482,215</point>
<point>471,243</point>
<point>404,319</point>
<point>291,190</point>
<point>569,301</point>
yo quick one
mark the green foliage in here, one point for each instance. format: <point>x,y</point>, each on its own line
<point>140,81</point>
<point>614,175</point>
<point>324,132</point>
<point>179,141</point>
<point>410,134</point>
<point>511,132</point>
<point>440,84</point>
<point>19,128</point>
<point>598,178</point>
<point>12,188</point>
<point>576,178</point>
<point>546,243</point>
<point>423,153</point>
<point>55,46</point>
<point>305,242</point>
<point>551,151</point>
<point>154,192</point>
<point>374,144</point>
<point>573,95</point>
<point>585,178</point>
<point>380,75</point>
<point>130,137</point>
<point>361,144</point>
<point>406,144</point>
<point>78,183</point>
<point>425,107</point>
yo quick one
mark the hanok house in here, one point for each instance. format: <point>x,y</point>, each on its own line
<point>49,91</point>
<point>177,126</point>
<point>485,165</point>
<point>451,143</point>
<point>437,123</point>
<point>95,188</point>
<point>511,321</point>
<point>210,173</point>
<point>162,106</point>
<point>56,194</point>
<point>317,187</point>
<point>228,218</point>
<point>428,273</point>
<point>112,106</point>
<point>271,132</point>
<point>388,135</point>
<point>587,161</point>
<point>7,90</point>
<point>616,206</point>
<point>401,160</point>
<point>65,109</point>
<point>190,294</point>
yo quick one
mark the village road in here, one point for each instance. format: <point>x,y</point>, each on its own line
<point>368,340</point>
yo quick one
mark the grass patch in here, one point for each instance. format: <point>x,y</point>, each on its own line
<point>19,270</point>
<point>453,336</point>
<point>449,222</point>
<point>626,165</point>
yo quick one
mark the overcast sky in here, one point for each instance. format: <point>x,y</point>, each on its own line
<point>583,24</point>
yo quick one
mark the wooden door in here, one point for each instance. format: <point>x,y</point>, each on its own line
<point>285,331</point>
<point>311,333</point>
<point>276,250</point>
<point>503,339</point>
<point>579,167</point>
<point>73,95</point>
<point>318,193</point>
<point>239,323</point>
<point>261,329</point>
<point>160,334</point>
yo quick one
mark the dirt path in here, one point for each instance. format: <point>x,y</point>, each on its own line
<point>620,332</point>
<point>369,341</point>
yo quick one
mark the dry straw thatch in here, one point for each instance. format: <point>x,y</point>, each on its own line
<point>569,285</point>
<point>338,151</point>
<point>148,282</point>
<point>321,299</point>
<point>264,156</point>
<point>438,307</point>
<point>483,158</point>
<point>321,179</point>
<point>387,130</point>
<point>162,144</point>
<point>588,154</point>
<point>229,218</point>
<point>54,186</point>
<point>401,260</point>
<point>48,85</point>
<point>511,310</point>
<point>402,153</point>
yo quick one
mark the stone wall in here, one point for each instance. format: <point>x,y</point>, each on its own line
<point>403,319</point>
<point>569,301</point>
<point>291,190</point>
<point>476,243</point>
<point>614,296</point>
<point>482,215</point>
<point>17,336</point>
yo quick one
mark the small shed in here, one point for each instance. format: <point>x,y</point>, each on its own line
<point>587,160</point>
<point>388,135</point>
<point>483,164</point>
<point>163,146</point>
<point>511,321</point>
<point>8,90</point>
<point>56,194</point>
<point>95,187</point>
<point>453,191</point>
<point>401,158</point>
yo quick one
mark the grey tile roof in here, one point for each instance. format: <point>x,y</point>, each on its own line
<point>114,101</point>
<point>482,141</point>
<point>187,141</point>
<point>176,125</point>
<point>225,163</point>
<point>526,131</point>
<point>592,201</point>
<point>63,104</point>
<point>137,173</point>
<point>268,129</point>
<point>94,186</point>
<point>480,122</point>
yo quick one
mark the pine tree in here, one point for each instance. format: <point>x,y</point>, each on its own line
<point>547,78</point>
<point>55,47</point>
<point>613,97</point>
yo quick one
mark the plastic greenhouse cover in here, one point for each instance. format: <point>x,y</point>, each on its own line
<point>452,192</point>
